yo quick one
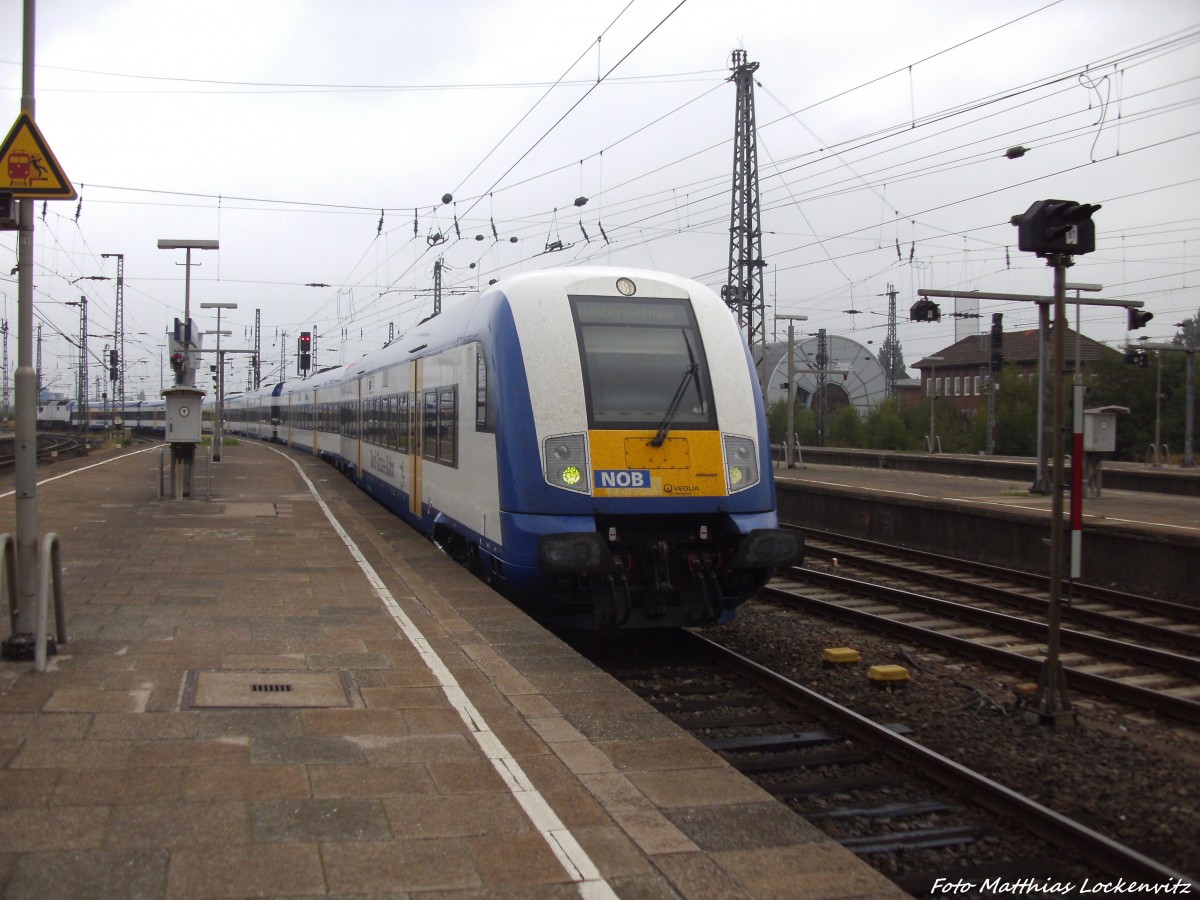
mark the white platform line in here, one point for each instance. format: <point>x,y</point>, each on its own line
<point>562,843</point>
<point>103,462</point>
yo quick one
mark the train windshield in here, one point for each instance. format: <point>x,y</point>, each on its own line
<point>635,357</point>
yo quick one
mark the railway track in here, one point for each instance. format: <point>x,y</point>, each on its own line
<point>50,447</point>
<point>1087,602</point>
<point>1132,650</point>
<point>912,813</point>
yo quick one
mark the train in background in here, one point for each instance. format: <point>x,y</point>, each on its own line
<point>590,441</point>
<point>142,416</point>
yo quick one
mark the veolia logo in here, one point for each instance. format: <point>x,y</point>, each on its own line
<point>623,478</point>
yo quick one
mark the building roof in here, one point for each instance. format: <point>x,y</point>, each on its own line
<point>1019,347</point>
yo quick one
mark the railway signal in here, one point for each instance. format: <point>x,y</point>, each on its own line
<point>1138,318</point>
<point>997,360</point>
<point>925,310</point>
<point>1137,357</point>
<point>305,350</point>
<point>1057,230</point>
<point>1054,227</point>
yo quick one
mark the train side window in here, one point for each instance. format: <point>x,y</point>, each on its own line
<point>414,422</point>
<point>482,420</point>
<point>402,431</point>
<point>429,425</point>
<point>448,425</point>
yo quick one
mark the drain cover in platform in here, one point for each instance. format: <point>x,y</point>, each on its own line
<point>265,690</point>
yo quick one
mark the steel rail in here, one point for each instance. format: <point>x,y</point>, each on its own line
<point>1098,850</point>
<point>1083,592</point>
<point>1177,707</point>
<point>1176,663</point>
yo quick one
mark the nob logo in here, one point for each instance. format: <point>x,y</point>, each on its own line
<point>622,478</point>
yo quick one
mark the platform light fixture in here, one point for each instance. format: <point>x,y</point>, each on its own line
<point>189,246</point>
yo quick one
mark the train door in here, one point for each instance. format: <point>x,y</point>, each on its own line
<point>359,436</point>
<point>415,445</point>
<point>316,423</point>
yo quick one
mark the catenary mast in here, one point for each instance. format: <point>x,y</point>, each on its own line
<point>743,290</point>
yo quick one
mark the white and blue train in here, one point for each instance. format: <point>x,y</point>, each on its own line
<point>591,441</point>
<point>139,415</point>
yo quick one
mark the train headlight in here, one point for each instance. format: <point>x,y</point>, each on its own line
<point>741,463</point>
<point>565,460</point>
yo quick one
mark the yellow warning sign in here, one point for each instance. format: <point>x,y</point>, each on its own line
<point>28,168</point>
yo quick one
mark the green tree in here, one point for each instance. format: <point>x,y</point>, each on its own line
<point>846,428</point>
<point>1113,382</point>
<point>777,420</point>
<point>806,431</point>
<point>1016,414</point>
<point>887,429</point>
<point>891,358</point>
<point>1189,332</point>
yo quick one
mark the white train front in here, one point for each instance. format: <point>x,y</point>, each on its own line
<point>590,441</point>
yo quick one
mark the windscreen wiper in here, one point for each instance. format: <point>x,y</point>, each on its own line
<point>692,371</point>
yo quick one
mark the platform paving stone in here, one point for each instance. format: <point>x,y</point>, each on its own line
<point>111,786</point>
<point>340,819</point>
<point>101,874</point>
<point>305,750</point>
<point>160,825</point>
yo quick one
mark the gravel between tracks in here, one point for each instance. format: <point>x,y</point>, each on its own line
<point>1132,777</point>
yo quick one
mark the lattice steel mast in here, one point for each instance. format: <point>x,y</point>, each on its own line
<point>743,290</point>
<point>119,333</point>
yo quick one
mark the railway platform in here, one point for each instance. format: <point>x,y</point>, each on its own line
<point>284,691</point>
<point>1137,540</point>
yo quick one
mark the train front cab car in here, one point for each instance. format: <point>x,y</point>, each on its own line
<point>652,506</point>
<point>589,441</point>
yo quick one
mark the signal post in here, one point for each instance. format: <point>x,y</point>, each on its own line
<point>1056,230</point>
<point>28,172</point>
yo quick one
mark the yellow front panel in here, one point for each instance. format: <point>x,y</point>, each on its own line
<point>688,464</point>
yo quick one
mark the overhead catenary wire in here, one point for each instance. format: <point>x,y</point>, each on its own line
<point>625,221</point>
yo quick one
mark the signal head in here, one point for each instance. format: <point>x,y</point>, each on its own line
<point>1057,227</point>
<point>925,310</point>
<point>1138,318</point>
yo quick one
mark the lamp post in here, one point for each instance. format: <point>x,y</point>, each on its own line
<point>790,437</point>
<point>220,376</point>
<point>188,375</point>
<point>933,392</point>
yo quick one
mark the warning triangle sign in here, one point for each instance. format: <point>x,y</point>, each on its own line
<point>28,168</point>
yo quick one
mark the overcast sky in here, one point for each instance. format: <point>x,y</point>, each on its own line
<point>303,135</point>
